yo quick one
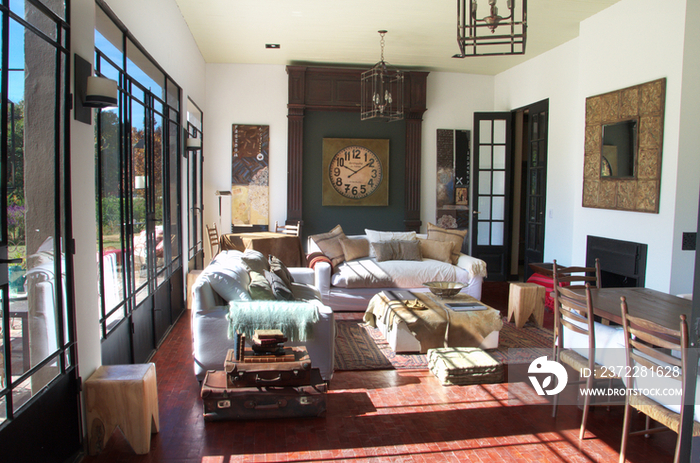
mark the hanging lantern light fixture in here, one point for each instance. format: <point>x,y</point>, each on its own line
<point>492,34</point>
<point>382,91</point>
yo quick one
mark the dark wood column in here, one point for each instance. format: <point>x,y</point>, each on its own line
<point>295,141</point>
<point>295,162</point>
<point>338,89</point>
<point>412,186</point>
<point>416,88</point>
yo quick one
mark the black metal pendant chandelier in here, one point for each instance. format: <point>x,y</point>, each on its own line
<point>491,34</point>
<point>382,91</point>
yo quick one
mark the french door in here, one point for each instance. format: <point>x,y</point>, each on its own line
<point>195,199</point>
<point>39,402</point>
<point>536,196</point>
<point>138,151</point>
<point>492,192</point>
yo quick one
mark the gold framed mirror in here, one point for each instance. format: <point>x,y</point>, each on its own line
<point>624,142</point>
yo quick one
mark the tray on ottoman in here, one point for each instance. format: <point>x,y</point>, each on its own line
<point>463,366</point>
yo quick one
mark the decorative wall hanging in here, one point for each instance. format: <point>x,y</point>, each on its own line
<point>624,141</point>
<point>250,175</point>
<point>452,185</point>
<point>355,172</point>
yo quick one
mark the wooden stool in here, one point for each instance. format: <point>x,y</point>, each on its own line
<point>191,278</point>
<point>526,300</point>
<point>125,396</point>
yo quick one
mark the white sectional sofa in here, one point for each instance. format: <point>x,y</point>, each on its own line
<point>226,279</point>
<point>403,274</point>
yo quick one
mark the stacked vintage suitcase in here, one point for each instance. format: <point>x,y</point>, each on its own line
<point>266,380</point>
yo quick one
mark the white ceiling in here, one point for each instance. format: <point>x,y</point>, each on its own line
<point>422,34</point>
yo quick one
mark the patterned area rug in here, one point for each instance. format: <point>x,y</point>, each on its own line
<point>361,347</point>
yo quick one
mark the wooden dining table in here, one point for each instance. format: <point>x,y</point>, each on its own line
<point>285,247</point>
<point>656,306</point>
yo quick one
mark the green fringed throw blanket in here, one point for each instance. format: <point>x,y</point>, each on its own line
<point>295,319</point>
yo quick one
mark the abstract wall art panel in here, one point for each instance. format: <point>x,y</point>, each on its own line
<point>250,190</point>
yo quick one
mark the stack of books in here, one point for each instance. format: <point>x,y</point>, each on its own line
<point>267,341</point>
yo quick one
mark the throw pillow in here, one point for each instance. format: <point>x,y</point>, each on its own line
<point>255,261</point>
<point>231,282</point>
<point>329,244</point>
<point>279,289</point>
<point>438,250</point>
<point>278,268</point>
<point>374,236</point>
<point>397,250</point>
<point>259,288</point>
<point>452,235</point>
<point>354,248</point>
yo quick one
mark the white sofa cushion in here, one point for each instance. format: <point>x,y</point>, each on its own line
<point>609,343</point>
<point>404,273</point>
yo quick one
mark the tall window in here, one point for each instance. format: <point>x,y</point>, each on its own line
<point>194,183</point>
<point>137,148</point>
<point>36,342</point>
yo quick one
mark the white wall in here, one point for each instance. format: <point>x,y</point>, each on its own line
<point>170,43</point>
<point>244,94</point>
<point>452,99</point>
<point>552,76</point>
<point>688,152</point>
<point>82,154</point>
<point>610,53</point>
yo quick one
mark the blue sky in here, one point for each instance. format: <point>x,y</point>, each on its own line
<point>114,54</point>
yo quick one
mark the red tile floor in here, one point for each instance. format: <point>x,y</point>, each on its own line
<point>393,415</point>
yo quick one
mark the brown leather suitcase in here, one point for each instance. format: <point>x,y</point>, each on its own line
<point>291,369</point>
<point>250,403</point>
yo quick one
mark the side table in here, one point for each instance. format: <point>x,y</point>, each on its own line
<point>526,300</point>
<point>125,396</point>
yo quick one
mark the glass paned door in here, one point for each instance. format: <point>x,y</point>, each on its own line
<point>138,208</point>
<point>490,217</point>
<point>195,202</point>
<point>536,195</point>
<point>38,379</point>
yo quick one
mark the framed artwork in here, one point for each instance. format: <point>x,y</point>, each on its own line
<point>623,148</point>
<point>250,191</point>
<point>355,172</point>
<point>462,196</point>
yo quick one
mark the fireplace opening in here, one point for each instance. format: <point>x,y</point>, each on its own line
<point>622,263</point>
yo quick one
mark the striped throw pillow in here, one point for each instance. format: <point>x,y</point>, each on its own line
<point>329,244</point>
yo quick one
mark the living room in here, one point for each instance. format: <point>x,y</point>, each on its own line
<point>614,49</point>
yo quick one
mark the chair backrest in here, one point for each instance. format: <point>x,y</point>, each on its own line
<point>213,234</point>
<point>290,229</point>
<point>577,277</point>
<point>644,341</point>
<point>574,310</point>
<point>647,345</point>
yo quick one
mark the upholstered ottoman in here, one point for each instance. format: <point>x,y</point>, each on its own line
<point>463,366</point>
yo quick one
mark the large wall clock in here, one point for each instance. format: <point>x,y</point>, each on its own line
<point>355,172</point>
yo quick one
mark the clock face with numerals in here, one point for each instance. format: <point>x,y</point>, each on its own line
<point>355,172</point>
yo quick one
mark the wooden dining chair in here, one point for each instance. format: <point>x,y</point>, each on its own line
<point>577,277</point>
<point>645,343</point>
<point>574,311</point>
<point>288,229</point>
<point>213,234</point>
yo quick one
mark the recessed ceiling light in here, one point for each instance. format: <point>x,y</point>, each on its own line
<point>272,45</point>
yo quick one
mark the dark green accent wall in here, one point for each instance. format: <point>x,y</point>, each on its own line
<point>354,219</point>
